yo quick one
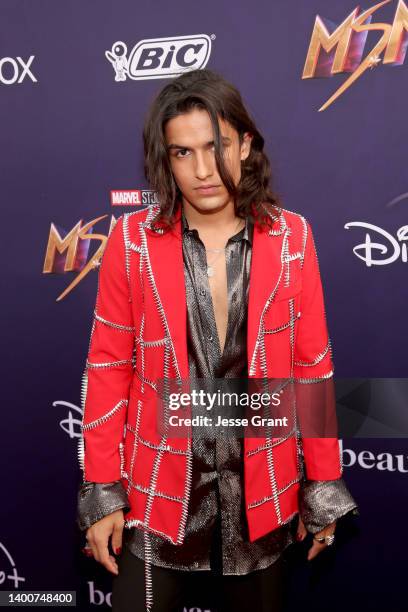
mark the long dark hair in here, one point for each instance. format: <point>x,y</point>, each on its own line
<point>205,89</point>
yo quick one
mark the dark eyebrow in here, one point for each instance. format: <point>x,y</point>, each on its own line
<point>226,139</point>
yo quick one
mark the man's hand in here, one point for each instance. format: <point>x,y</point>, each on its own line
<point>98,537</point>
<point>316,547</point>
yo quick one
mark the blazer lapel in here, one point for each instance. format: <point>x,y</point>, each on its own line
<point>265,274</point>
<point>166,258</point>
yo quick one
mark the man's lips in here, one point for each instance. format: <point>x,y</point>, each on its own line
<point>207,188</point>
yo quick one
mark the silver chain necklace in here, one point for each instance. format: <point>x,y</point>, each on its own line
<point>210,269</point>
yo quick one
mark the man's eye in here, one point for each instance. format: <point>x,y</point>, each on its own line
<point>180,152</point>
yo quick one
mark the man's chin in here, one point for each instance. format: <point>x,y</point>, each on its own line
<point>208,204</point>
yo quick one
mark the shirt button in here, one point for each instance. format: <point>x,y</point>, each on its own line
<point>210,338</point>
<point>202,291</point>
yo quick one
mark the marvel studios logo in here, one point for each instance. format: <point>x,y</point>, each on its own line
<point>133,197</point>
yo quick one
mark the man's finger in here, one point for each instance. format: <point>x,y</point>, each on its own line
<point>117,534</point>
<point>87,550</point>
<point>315,549</point>
<point>94,550</point>
<point>91,546</point>
<point>106,559</point>
<point>301,530</point>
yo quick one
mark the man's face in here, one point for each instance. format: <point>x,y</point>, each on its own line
<point>190,142</point>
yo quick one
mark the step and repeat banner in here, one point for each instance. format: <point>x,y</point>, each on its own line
<point>327,84</point>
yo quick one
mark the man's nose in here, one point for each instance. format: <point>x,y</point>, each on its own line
<point>204,165</point>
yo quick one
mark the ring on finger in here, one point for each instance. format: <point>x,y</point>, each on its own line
<point>328,540</point>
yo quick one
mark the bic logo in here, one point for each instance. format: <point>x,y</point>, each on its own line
<point>158,58</point>
<point>344,46</point>
<point>16,70</point>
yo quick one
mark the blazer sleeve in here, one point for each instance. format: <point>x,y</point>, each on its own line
<point>97,500</point>
<point>313,372</point>
<point>109,367</point>
<point>321,502</point>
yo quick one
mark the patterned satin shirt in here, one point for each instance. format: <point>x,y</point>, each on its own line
<point>216,529</point>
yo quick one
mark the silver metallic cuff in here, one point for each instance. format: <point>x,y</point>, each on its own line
<point>96,500</point>
<point>322,502</point>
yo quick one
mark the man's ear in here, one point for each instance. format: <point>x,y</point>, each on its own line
<point>246,145</point>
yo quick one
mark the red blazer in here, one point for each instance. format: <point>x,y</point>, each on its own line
<point>139,335</point>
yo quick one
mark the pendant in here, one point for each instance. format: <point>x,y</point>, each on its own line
<point>210,271</point>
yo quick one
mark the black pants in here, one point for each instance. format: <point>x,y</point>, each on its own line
<point>258,591</point>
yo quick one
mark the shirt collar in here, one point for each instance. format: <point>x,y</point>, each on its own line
<point>245,234</point>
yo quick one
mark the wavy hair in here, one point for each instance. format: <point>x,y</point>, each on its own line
<point>207,90</point>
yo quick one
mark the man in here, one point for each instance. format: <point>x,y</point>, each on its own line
<point>218,281</point>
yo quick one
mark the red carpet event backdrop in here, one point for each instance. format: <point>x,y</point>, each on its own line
<point>327,84</point>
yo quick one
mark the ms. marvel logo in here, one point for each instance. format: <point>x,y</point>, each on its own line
<point>341,49</point>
